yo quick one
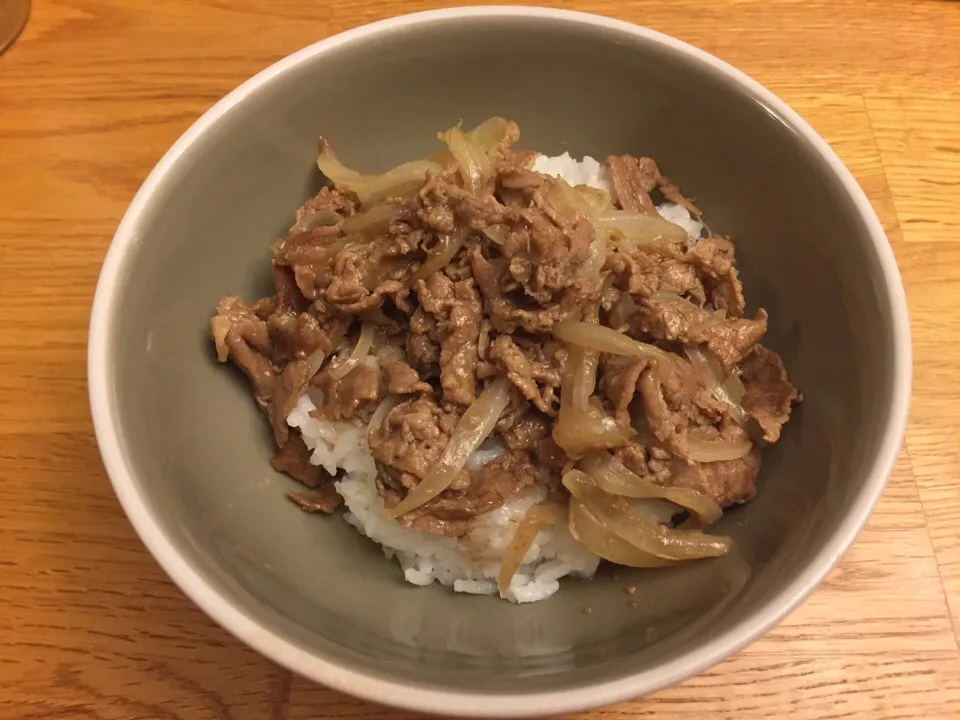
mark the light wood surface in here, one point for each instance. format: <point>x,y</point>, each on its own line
<point>96,90</point>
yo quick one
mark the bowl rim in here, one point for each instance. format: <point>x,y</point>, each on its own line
<point>232,617</point>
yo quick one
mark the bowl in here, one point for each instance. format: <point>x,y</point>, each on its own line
<point>188,453</point>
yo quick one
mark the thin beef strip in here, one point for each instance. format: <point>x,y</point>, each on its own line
<point>769,396</point>
<point>635,178</point>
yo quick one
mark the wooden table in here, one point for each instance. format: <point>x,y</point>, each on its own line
<point>96,90</point>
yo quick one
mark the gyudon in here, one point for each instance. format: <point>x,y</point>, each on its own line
<point>508,366</point>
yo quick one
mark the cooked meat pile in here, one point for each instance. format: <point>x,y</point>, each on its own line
<point>416,291</point>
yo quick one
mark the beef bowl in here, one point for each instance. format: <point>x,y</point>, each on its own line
<point>560,396</point>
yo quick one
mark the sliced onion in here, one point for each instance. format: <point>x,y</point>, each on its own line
<point>638,527</point>
<point>490,133</point>
<point>728,390</point>
<point>622,310</point>
<point>640,227</point>
<point>442,253</point>
<point>537,518</point>
<point>568,203</point>
<point>596,257</point>
<point>314,362</point>
<point>219,327</point>
<point>581,433</point>
<point>474,163</point>
<point>582,428</point>
<point>589,530</point>
<point>598,200</point>
<point>360,351</point>
<point>320,218</point>
<point>604,339</point>
<point>375,220</point>
<point>472,429</point>
<point>612,476</point>
<point>496,233</point>
<point>403,181</point>
<point>380,414</point>
<point>715,450</point>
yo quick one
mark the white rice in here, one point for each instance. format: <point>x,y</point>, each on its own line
<point>470,564</point>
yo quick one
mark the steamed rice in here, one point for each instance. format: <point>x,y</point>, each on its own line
<point>470,564</point>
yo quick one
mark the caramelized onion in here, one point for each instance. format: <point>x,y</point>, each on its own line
<point>219,327</point>
<point>612,476</point>
<point>643,228</point>
<point>728,390</point>
<point>598,539</point>
<point>622,310</point>
<point>403,181</point>
<point>474,163</point>
<point>537,518</point>
<point>598,200</point>
<point>375,220</point>
<point>319,218</point>
<point>596,257</point>
<point>496,233</point>
<point>314,362</point>
<point>488,135</point>
<point>380,414</point>
<point>604,339</point>
<point>569,203</point>
<point>360,351</point>
<point>472,429</point>
<point>639,527</point>
<point>715,450</point>
<point>582,428</point>
<point>442,253</point>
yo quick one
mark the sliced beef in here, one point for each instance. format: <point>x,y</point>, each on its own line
<point>619,382</point>
<point>535,372</point>
<point>726,481</point>
<point>712,260</point>
<point>291,384</point>
<point>456,312</point>
<point>528,432</point>
<point>504,303</point>
<point>680,321</point>
<point>412,437</point>
<point>354,394</point>
<point>240,335</point>
<point>293,458</point>
<point>454,512</point>
<point>409,444</point>
<point>399,378</point>
<point>633,180</point>
<point>769,396</point>
<point>645,273</point>
<point>325,500</point>
<point>678,406</point>
<point>653,463</point>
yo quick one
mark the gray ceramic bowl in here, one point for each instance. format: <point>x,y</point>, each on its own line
<point>187,451</point>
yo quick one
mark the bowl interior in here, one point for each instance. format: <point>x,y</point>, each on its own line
<point>200,450</point>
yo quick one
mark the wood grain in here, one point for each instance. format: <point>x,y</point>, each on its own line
<point>95,91</point>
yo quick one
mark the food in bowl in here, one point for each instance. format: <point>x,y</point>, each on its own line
<point>509,367</point>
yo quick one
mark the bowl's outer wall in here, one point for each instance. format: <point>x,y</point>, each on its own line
<point>200,449</point>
